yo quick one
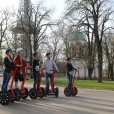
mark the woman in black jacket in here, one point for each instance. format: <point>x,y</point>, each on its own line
<point>9,65</point>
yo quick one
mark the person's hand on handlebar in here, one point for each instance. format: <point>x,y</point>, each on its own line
<point>76,70</point>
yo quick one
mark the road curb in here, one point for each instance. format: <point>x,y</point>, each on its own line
<point>87,89</point>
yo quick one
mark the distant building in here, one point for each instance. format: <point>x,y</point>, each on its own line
<point>77,47</point>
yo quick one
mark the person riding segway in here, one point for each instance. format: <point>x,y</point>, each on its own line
<point>37,91</point>
<point>9,65</point>
<point>48,66</point>
<point>20,75</point>
<point>71,75</point>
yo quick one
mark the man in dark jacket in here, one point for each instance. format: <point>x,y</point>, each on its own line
<point>36,69</point>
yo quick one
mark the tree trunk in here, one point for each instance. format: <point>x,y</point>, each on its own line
<point>35,45</point>
<point>108,72</point>
<point>111,72</point>
<point>90,71</point>
<point>100,61</point>
<point>31,62</point>
<point>31,55</point>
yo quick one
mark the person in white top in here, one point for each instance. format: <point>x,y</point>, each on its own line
<point>48,66</point>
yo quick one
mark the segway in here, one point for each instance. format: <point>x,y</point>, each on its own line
<point>74,91</point>
<point>10,95</point>
<point>39,92</point>
<point>16,93</point>
<point>52,91</point>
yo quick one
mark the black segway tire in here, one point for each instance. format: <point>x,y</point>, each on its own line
<point>18,94</point>
<point>67,92</point>
<point>4,98</point>
<point>26,94</point>
<point>33,93</point>
<point>56,91</point>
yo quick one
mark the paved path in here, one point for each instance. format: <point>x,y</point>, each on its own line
<point>86,102</point>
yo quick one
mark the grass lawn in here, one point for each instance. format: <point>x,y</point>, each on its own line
<point>90,84</point>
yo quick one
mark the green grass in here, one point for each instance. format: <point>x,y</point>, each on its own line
<point>89,84</point>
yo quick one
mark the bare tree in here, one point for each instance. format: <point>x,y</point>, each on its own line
<point>65,34</point>
<point>4,19</point>
<point>93,14</point>
<point>90,52</point>
<point>109,53</point>
<point>55,44</point>
<point>33,27</point>
<point>13,41</point>
<point>41,22</point>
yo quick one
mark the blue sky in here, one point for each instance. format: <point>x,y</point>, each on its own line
<point>57,5</point>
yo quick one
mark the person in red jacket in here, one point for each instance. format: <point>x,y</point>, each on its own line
<point>20,62</point>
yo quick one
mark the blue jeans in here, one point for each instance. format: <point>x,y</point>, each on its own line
<point>36,76</point>
<point>47,76</point>
<point>70,80</point>
<point>6,79</point>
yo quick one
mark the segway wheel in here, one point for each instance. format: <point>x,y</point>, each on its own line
<point>43,93</point>
<point>74,91</point>
<point>4,98</point>
<point>56,90</point>
<point>67,92</point>
<point>12,99</point>
<point>26,94</point>
<point>33,93</point>
<point>18,94</point>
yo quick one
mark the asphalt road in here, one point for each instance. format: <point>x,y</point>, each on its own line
<point>86,102</point>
